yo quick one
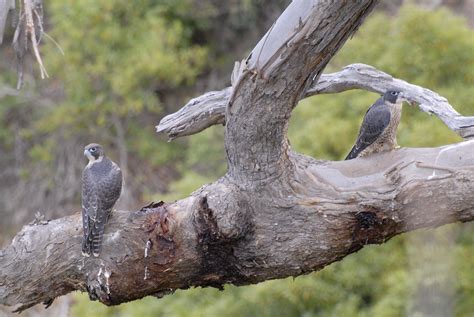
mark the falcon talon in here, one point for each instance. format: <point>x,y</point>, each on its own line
<point>39,219</point>
<point>101,187</point>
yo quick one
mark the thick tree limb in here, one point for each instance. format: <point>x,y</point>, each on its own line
<point>225,234</point>
<point>209,109</point>
<point>275,213</point>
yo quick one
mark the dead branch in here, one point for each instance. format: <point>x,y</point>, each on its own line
<point>209,109</point>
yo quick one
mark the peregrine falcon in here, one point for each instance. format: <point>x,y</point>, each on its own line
<point>378,132</point>
<point>101,187</point>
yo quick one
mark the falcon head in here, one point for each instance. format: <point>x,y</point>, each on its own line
<point>93,152</point>
<point>393,96</point>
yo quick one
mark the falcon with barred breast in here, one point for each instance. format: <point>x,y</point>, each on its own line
<point>101,187</point>
<point>378,132</point>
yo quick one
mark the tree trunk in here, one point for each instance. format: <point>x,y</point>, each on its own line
<point>275,213</point>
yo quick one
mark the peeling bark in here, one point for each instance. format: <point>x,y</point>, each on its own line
<point>276,213</point>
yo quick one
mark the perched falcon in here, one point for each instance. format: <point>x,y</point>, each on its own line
<point>101,187</point>
<point>378,132</point>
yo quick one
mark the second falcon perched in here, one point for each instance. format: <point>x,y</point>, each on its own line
<point>101,187</point>
<point>378,132</point>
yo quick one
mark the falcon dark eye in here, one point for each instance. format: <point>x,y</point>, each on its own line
<point>394,93</point>
<point>92,149</point>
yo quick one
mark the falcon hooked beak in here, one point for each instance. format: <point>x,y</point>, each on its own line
<point>407,100</point>
<point>402,98</point>
<point>88,155</point>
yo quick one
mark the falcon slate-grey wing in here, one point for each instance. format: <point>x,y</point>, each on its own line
<point>101,187</point>
<point>378,131</point>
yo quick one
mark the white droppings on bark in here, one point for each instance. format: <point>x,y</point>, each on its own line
<point>107,274</point>
<point>447,149</point>
<point>114,236</point>
<point>81,265</point>
<point>99,279</point>
<point>147,248</point>
<point>146,273</point>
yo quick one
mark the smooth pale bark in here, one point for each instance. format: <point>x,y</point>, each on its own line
<point>275,213</point>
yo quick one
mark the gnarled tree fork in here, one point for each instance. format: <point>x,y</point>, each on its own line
<point>275,213</point>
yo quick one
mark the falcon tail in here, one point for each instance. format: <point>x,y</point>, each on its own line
<point>97,232</point>
<point>97,245</point>
<point>93,235</point>
<point>352,154</point>
<point>86,246</point>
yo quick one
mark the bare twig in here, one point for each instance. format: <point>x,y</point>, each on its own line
<point>31,31</point>
<point>28,33</point>
<point>54,42</point>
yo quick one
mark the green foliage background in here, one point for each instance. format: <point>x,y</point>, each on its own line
<point>119,57</point>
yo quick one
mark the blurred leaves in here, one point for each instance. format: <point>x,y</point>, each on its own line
<point>130,50</point>
<point>121,59</point>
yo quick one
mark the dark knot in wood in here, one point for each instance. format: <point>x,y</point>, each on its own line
<point>160,248</point>
<point>372,227</point>
<point>218,262</point>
